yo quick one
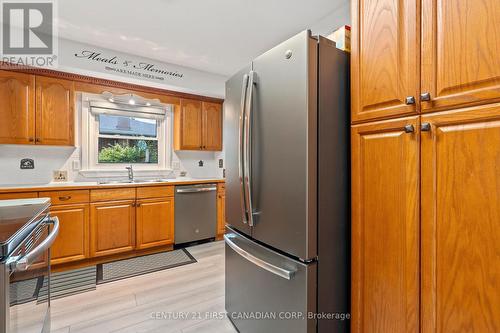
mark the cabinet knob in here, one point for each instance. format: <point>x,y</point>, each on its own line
<point>65,198</point>
<point>425,127</point>
<point>409,129</point>
<point>38,140</point>
<point>425,97</point>
<point>410,100</point>
<point>31,139</point>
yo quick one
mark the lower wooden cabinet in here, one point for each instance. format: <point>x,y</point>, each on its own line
<point>72,243</point>
<point>426,223</point>
<point>461,221</point>
<point>112,227</point>
<point>221,214</point>
<point>155,222</point>
<point>385,226</point>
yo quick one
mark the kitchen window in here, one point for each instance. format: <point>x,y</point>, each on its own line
<point>119,134</point>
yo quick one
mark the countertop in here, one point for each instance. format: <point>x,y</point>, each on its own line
<point>93,185</point>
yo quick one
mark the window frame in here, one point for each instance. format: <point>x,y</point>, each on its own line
<point>90,142</point>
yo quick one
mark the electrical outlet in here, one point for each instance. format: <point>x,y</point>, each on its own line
<point>221,163</point>
<point>200,163</point>
<point>60,176</point>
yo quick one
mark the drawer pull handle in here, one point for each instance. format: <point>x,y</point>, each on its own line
<point>425,97</point>
<point>409,129</point>
<point>65,198</point>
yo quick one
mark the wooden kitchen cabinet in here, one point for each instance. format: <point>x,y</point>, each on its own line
<point>385,226</point>
<point>72,243</point>
<point>460,53</point>
<point>198,126</point>
<point>17,108</point>
<point>155,222</point>
<point>54,111</point>
<point>36,110</point>
<point>188,122</point>
<point>385,76</point>
<point>212,126</point>
<point>221,209</point>
<point>461,220</point>
<point>112,227</point>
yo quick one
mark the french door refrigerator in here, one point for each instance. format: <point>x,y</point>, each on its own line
<point>287,190</point>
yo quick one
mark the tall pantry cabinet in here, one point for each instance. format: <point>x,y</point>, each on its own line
<point>425,134</point>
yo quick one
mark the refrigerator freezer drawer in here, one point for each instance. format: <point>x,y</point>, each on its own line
<point>266,291</point>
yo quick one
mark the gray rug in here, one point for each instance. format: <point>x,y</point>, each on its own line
<point>121,269</point>
<point>68,283</point>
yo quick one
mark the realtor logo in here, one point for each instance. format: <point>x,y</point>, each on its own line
<point>28,32</point>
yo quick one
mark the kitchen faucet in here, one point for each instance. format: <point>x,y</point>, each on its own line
<point>130,172</point>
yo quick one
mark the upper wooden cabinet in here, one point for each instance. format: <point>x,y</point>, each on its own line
<point>198,126</point>
<point>36,110</point>
<point>384,58</point>
<point>460,220</point>
<point>460,52</point>
<point>443,53</point>
<point>385,226</point>
<point>54,111</point>
<point>212,126</point>
<point>17,108</point>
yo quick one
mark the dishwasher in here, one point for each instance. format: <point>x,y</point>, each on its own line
<point>195,212</point>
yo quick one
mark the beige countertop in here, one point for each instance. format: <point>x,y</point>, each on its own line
<point>92,185</point>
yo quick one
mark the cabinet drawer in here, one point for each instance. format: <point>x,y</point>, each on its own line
<point>66,197</point>
<point>155,192</point>
<point>21,195</point>
<point>112,194</point>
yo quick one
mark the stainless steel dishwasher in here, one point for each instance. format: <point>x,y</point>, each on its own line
<point>195,212</point>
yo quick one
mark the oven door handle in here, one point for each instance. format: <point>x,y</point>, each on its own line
<point>23,263</point>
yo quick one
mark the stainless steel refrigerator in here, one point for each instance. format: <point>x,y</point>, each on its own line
<point>287,189</point>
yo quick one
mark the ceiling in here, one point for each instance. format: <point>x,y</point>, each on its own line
<point>217,36</point>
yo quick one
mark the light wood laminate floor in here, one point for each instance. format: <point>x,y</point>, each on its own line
<point>144,303</point>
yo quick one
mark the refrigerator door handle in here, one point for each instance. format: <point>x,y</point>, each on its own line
<point>248,149</point>
<point>284,273</point>
<point>240,148</point>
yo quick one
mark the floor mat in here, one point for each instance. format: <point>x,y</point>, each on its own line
<point>68,283</point>
<point>121,269</point>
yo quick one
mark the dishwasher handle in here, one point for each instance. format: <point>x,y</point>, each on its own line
<point>195,189</point>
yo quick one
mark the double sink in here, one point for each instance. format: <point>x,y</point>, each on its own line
<point>135,181</point>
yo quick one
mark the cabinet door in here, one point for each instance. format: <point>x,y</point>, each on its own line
<point>221,214</point>
<point>385,226</point>
<point>212,126</point>
<point>112,227</point>
<point>189,123</point>
<point>384,58</point>
<point>461,221</point>
<point>155,222</point>
<point>460,52</point>
<point>54,111</point>
<point>72,242</point>
<point>17,108</point>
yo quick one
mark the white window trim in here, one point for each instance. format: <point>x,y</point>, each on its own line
<point>89,141</point>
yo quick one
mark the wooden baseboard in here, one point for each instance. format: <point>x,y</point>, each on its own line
<point>115,257</point>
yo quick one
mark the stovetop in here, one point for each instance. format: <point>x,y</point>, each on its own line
<point>18,217</point>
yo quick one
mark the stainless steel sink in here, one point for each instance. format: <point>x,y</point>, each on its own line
<point>107,182</point>
<point>135,181</point>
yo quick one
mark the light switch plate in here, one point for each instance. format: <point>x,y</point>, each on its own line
<point>60,176</point>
